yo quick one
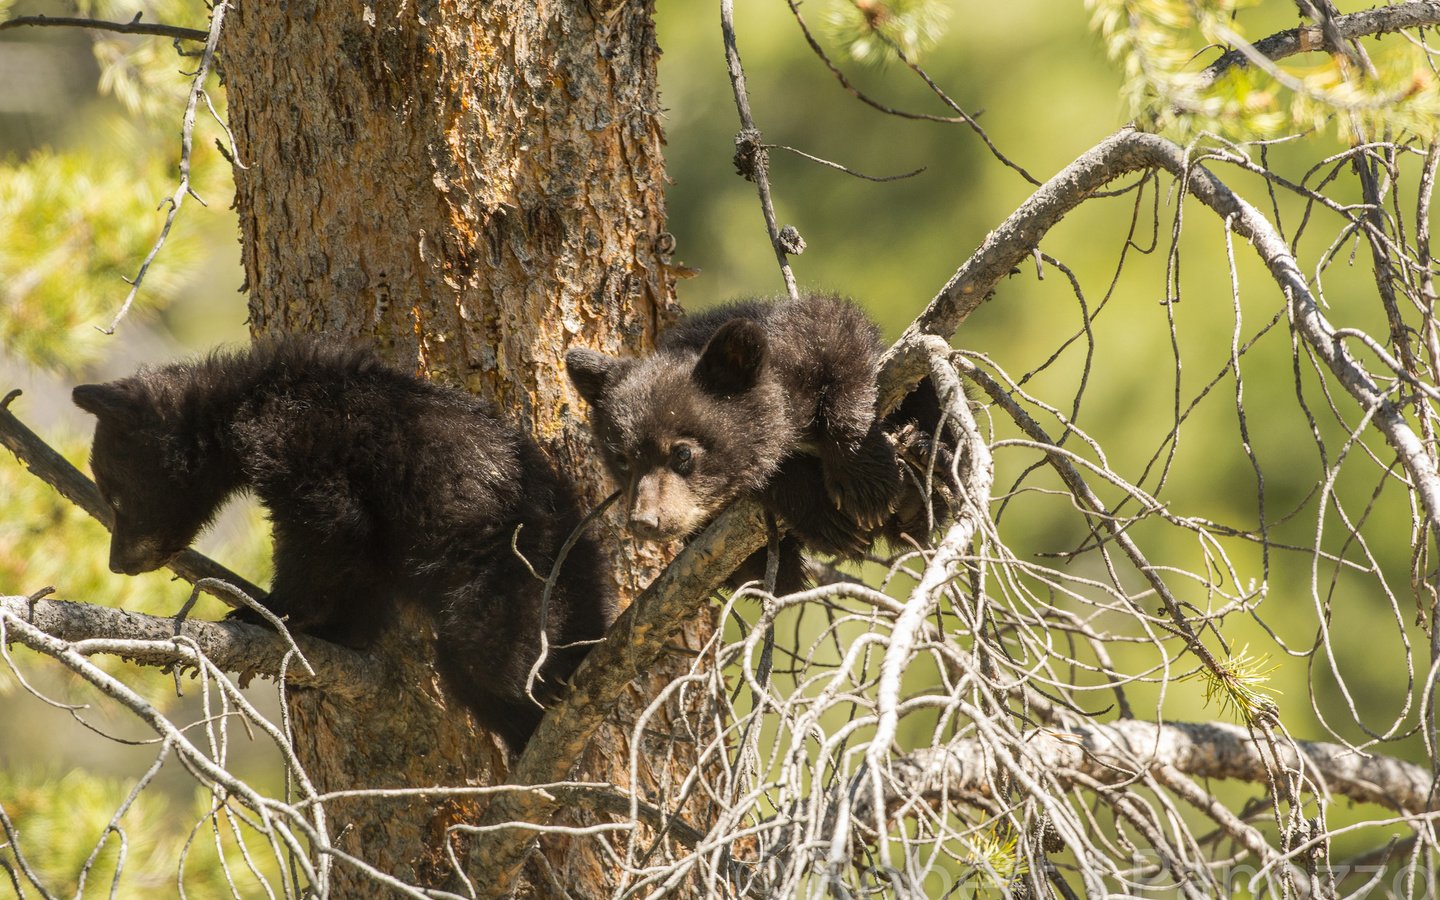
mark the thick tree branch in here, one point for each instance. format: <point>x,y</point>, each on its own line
<point>1382,20</point>
<point>635,641</point>
<point>50,467</point>
<point>134,26</point>
<point>1119,752</point>
<point>232,646</point>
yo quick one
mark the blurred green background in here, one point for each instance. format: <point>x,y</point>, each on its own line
<point>88,147</point>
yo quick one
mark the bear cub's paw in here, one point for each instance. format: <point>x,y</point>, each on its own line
<point>863,483</point>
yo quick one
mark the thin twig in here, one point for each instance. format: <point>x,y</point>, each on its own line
<point>134,26</point>
<point>961,117</point>
<point>551,581</point>
<point>751,156</point>
<point>846,169</point>
<point>187,133</point>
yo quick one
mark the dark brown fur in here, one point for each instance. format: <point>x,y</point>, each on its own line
<point>773,399</point>
<point>380,486</point>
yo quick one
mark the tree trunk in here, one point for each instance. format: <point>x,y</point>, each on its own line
<point>476,188</point>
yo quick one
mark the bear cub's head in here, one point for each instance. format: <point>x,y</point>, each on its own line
<point>685,432</point>
<point>152,473</point>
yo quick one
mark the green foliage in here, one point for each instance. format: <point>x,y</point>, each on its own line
<point>141,76</point>
<point>872,30</point>
<point>995,857</point>
<point>1164,45</point>
<point>61,818</point>
<point>142,73</point>
<point>73,226</point>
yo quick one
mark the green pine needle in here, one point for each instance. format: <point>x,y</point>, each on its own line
<point>1241,686</point>
<point>873,30</point>
<point>995,855</point>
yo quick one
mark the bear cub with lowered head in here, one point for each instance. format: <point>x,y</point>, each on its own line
<point>774,399</point>
<point>379,485</point>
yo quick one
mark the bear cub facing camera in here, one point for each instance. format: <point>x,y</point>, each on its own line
<point>774,399</point>
<point>378,485</point>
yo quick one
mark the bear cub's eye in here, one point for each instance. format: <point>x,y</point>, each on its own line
<point>682,459</point>
<point>619,461</point>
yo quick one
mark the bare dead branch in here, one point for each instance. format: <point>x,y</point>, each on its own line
<point>1107,520</point>
<point>231,646</point>
<point>942,566</point>
<point>55,470</point>
<point>751,156</point>
<point>1003,249</point>
<point>1126,151</point>
<point>278,818</point>
<point>1367,23</point>
<point>1285,766</point>
<point>1118,752</point>
<point>636,639</point>
<point>1312,324</point>
<point>297,831</point>
<point>134,26</point>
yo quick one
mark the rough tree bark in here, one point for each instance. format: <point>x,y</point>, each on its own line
<point>476,188</point>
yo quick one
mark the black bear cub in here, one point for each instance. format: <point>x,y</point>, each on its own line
<point>379,485</point>
<point>775,399</point>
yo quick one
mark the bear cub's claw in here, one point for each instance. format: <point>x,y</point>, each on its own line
<point>863,482</point>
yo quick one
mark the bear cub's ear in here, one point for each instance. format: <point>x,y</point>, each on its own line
<point>733,359</point>
<point>589,369</point>
<point>104,400</point>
